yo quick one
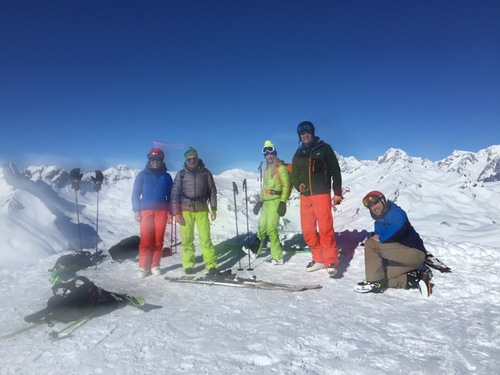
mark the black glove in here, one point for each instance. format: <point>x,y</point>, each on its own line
<point>97,180</point>
<point>75,177</point>
<point>256,208</point>
<point>282,209</point>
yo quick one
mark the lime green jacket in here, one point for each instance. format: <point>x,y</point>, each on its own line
<point>277,187</point>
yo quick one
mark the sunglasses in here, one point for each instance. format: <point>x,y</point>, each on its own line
<point>305,128</point>
<point>268,150</point>
<point>370,200</point>
<point>155,158</point>
<point>191,160</point>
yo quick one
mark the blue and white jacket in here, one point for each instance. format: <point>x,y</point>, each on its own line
<point>152,189</point>
<point>393,226</point>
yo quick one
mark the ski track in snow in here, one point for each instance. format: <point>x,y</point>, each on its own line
<point>213,329</point>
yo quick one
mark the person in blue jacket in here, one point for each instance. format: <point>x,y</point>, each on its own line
<point>151,206</point>
<point>395,254</point>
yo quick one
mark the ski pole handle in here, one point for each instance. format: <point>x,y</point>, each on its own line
<point>75,177</point>
<point>97,180</point>
<point>235,188</point>
<point>245,184</point>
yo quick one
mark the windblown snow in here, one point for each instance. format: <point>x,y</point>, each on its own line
<point>454,205</point>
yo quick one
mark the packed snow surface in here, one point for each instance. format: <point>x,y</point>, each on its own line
<point>199,329</point>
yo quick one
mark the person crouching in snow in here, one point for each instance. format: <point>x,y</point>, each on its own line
<point>194,187</point>
<point>273,197</point>
<point>151,204</point>
<point>395,254</point>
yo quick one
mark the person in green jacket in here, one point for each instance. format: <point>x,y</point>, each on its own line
<point>273,196</point>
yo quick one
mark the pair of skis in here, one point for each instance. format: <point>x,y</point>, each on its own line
<point>227,278</point>
<point>134,301</point>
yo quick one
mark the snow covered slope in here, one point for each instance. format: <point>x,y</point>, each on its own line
<point>215,330</point>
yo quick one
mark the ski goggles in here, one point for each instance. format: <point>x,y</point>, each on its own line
<point>370,200</point>
<point>268,150</point>
<point>304,128</point>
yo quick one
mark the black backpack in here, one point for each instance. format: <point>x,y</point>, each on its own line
<point>73,300</point>
<point>66,266</point>
<point>127,248</point>
<point>67,300</point>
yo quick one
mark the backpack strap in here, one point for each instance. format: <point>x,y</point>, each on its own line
<point>277,174</point>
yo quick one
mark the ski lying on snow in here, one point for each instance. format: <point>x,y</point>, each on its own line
<point>135,301</point>
<point>435,263</point>
<point>239,282</point>
<point>27,328</point>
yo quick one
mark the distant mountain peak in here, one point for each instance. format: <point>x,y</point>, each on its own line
<point>52,175</point>
<point>394,154</point>
<point>481,166</point>
<point>491,172</point>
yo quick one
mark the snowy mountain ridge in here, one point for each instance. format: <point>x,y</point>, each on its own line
<point>423,188</point>
<point>481,166</point>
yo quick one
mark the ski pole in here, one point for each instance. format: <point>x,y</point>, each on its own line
<point>96,229</point>
<point>76,177</point>
<point>175,234</point>
<point>78,221</point>
<point>98,179</point>
<point>260,174</point>
<point>56,335</point>
<point>245,188</point>
<point>172,234</point>
<point>235,192</point>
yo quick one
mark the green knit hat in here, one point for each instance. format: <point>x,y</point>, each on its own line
<point>190,153</point>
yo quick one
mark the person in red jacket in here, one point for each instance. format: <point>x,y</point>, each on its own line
<point>151,204</point>
<point>315,170</point>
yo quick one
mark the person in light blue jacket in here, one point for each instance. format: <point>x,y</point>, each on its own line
<point>151,206</point>
<point>395,254</point>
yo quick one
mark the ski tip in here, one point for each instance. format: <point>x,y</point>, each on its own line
<point>136,301</point>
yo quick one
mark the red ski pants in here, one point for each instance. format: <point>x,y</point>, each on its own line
<point>152,227</point>
<point>317,228</point>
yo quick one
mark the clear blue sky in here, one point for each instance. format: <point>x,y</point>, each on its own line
<point>92,84</point>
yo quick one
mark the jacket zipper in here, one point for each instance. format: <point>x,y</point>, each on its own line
<point>309,170</point>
